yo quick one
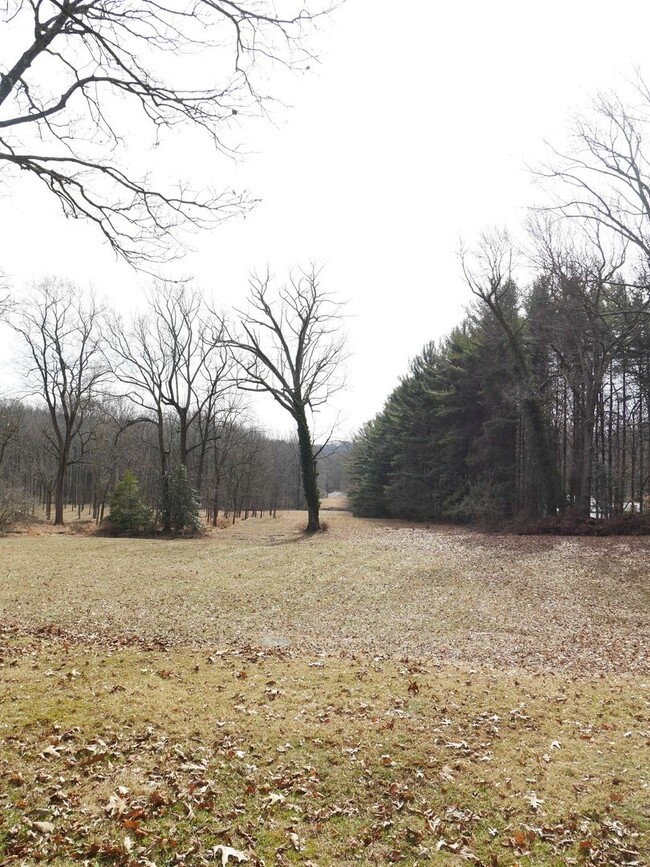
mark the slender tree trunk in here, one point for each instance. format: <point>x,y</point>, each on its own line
<point>535,416</point>
<point>586,469</point>
<point>166,519</point>
<point>58,494</point>
<point>610,447</point>
<point>183,438</point>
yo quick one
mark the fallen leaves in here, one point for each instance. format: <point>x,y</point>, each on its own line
<point>295,755</point>
<point>227,852</point>
<point>430,781</point>
<point>43,827</point>
<point>534,801</point>
<point>436,593</point>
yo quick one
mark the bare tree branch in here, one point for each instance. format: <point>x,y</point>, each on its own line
<point>603,180</point>
<point>81,74</point>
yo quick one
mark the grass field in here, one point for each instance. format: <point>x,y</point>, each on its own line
<point>374,694</point>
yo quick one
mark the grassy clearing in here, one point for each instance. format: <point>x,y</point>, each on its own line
<point>520,736</point>
<point>580,604</point>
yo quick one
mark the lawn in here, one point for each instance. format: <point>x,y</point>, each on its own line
<point>374,694</point>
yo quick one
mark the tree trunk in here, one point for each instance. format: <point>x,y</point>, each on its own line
<point>58,495</point>
<point>182,446</point>
<point>544,456</point>
<point>309,476</point>
<point>166,520</point>
<point>586,469</point>
<point>534,414</point>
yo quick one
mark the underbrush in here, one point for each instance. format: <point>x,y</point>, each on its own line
<point>577,525</point>
<point>110,529</point>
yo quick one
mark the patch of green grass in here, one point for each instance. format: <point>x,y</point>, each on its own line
<point>139,756</point>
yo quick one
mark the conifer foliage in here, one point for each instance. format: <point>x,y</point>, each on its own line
<point>128,513</point>
<point>180,506</point>
<point>459,438</point>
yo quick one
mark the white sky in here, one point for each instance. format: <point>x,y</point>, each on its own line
<point>415,130</point>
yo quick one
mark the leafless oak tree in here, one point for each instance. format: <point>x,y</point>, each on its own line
<point>65,367</point>
<point>81,80</point>
<point>604,178</point>
<point>175,366</point>
<point>290,346</point>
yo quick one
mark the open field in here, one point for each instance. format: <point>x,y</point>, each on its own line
<point>375,694</point>
<point>448,594</point>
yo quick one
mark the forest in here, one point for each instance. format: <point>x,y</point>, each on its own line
<point>537,404</point>
<point>163,397</point>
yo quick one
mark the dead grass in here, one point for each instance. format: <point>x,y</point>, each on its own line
<point>447,594</point>
<point>376,694</point>
<point>137,757</point>
<point>335,503</point>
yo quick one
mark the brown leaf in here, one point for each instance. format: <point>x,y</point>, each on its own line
<point>227,853</point>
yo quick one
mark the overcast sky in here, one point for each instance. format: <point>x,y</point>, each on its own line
<point>414,130</point>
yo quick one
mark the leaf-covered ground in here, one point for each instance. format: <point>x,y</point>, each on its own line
<point>377,694</point>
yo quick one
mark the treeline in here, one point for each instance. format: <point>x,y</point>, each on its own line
<point>150,395</point>
<point>538,404</point>
<point>244,471</point>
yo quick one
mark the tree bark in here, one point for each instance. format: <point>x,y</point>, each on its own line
<point>58,496</point>
<point>309,476</point>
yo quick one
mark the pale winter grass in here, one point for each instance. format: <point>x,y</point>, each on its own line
<point>444,593</point>
<point>354,697</point>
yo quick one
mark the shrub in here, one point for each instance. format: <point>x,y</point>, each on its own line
<point>128,513</point>
<point>14,504</point>
<point>482,503</point>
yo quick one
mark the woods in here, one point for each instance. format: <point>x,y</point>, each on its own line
<point>160,398</point>
<point>536,405</point>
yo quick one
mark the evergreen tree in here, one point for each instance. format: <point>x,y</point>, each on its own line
<point>368,465</point>
<point>128,513</point>
<point>180,507</point>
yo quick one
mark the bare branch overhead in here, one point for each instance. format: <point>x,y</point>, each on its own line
<point>83,80</point>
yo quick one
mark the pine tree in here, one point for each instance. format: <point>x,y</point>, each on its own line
<point>180,505</point>
<point>128,513</point>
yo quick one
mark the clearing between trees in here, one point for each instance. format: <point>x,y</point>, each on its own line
<point>374,694</point>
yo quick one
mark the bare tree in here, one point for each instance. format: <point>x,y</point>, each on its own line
<point>90,78</point>
<point>291,347</point>
<point>65,367</point>
<point>604,178</point>
<point>176,368</point>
